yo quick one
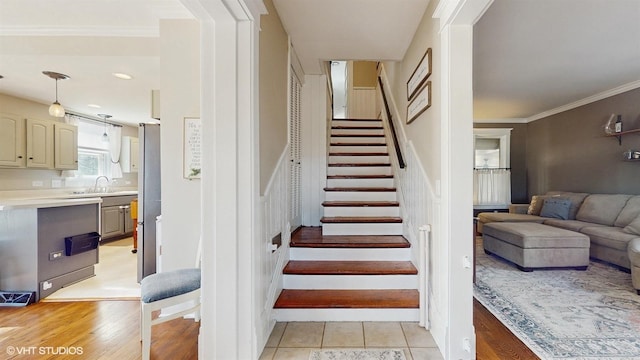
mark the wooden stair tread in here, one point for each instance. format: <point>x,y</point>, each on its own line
<point>360,219</point>
<point>360,189</point>
<point>358,135</point>
<point>359,164</point>
<point>297,267</point>
<point>361,204</point>
<point>360,177</point>
<point>358,154</point>
<point>341,127</point>
<point>349,299</point>
<point>311,237</point>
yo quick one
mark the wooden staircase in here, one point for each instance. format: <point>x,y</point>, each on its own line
<point>357,266</point>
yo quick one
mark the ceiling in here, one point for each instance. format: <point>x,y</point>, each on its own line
<point>87,40</point>
<point>530,56</point>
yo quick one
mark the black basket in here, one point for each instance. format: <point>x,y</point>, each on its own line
<point>81,243</point>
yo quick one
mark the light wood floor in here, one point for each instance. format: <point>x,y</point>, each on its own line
<point>99,329</point>
<point>110,330</point>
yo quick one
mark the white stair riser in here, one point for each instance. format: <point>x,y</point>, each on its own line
<point>356,123</point>
<point>358,131</point>
<point>292,315</point>
<point>346,282</point>
<point>362,229</point>
<point>333,159</point>
<point>333,211</point>
<point>331,183</point>
<point>359,170</point>
<point>359,196</point>
<point>351,254</point>
<point>356,148</point>
<point>359,140</point>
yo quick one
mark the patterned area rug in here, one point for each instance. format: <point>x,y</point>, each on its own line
<point>563,314</point>
<point>357,354</point>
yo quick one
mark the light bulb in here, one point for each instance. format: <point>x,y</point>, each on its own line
<point>56,110</point>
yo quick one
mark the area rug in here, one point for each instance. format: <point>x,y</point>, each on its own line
<point>563,314</point>
<point>357,354</point>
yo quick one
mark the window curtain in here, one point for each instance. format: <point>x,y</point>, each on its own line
<point>71,120</point>
<point>491,187</point>
<point>115,140</point>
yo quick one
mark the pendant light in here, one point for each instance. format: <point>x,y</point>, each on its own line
<point>56,109</point>
<point>105,136</point>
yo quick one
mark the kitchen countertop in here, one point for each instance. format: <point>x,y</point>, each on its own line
<point>34,199</point>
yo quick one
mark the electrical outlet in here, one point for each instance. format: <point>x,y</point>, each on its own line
<point>37,183</point>
<point>55,255</point>
<point>56,183</point>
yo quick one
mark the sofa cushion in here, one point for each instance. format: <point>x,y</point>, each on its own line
<point>576,200</point>
<point>609,236</point>
<point>556,207</point>
<point>602,208</point>
<point>536,204</point>
<point>630,211</point>
<point>633,227</point>
<point>488,217</point>
<point>573,225</point>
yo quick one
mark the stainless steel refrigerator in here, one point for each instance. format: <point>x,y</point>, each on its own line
<point>149,197</point>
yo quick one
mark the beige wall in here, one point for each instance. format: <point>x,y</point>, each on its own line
<point>274,50</point>
<point>365,74</point>
<point>22,179</point>
<point>179,98</point>
<point>424,131</point>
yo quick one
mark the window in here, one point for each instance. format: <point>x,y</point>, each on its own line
<point>93,152</point>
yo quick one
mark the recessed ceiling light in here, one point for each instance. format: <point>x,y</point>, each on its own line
<point>123,76</point>
<point>94,106</point>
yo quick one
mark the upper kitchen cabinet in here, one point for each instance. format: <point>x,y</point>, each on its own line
<point>129,154</point>
<point>66,146</point>
<point>12,141</point>
<point>39,144</point>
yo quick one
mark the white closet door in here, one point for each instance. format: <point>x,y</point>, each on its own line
<point>294,150</point>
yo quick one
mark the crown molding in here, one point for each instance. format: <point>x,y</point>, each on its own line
<point>588,100</point>
<point>106,31</point>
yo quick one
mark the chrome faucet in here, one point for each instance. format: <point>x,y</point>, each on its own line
<point>95,186</point>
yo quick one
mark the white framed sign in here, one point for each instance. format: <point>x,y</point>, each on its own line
<point>419,75</point>
<point>192,164</point>
<point>420,103</point>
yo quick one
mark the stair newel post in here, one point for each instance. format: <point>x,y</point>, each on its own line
<point>423,275</point>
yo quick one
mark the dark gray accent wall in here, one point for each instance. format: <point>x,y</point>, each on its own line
<point>568,151</point>
<point>518,158</point>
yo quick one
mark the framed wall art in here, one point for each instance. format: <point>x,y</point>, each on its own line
<point>419,76</point>
<point>192,165</point>
<point>420,102</point>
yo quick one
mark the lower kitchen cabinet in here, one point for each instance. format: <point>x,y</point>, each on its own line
<point>116,217</point>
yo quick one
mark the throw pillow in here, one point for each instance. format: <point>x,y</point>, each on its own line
<point>536,204</point>
<point>557,208</point>
<point>633,227</point>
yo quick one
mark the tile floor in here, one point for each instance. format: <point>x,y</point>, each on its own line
<point>295,340</point>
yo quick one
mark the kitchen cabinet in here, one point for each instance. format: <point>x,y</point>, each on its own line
<point>12,141</point>
<point>129,154</point>
<point>39,144</point>
<point>66,146</point>
<point>116,217</point>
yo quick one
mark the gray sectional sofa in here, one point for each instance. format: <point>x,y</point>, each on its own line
<point>611,221</point>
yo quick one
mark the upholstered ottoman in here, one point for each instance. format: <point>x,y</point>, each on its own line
<point>536,246</point>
